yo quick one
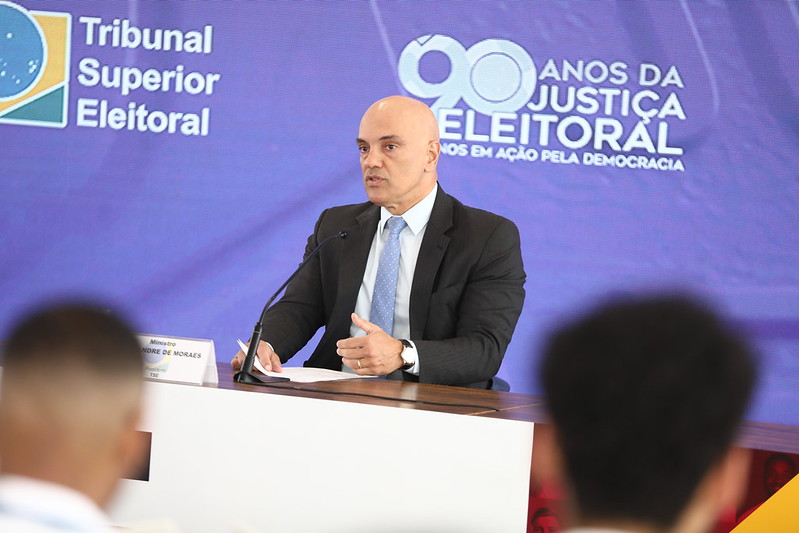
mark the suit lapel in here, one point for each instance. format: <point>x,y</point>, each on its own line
<point>434,246</point>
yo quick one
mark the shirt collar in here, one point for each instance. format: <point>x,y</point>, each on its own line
<point>50,503</point>
<point>416,217</point>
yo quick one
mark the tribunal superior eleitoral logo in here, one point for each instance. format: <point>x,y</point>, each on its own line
<point>34,66</point>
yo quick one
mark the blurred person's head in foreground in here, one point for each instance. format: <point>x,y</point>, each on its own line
<point>70,400</point>
<point>646,396</point>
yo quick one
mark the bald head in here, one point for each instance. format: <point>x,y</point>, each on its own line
<point>399,146</point>
<point>401,109</point>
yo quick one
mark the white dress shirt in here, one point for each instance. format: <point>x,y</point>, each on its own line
<point>34,506</point>
<point>410,238</point>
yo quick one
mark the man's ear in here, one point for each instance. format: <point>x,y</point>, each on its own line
<point>433,153</point>
<point>549,477</point>
<point>133,445</point>
<point>722,488</point>
<point>548,464</point>
<point>730,477</point>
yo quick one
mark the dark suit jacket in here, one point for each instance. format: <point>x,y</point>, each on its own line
<point>466,296</point>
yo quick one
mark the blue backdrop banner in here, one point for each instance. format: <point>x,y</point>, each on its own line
<point>147,145</point>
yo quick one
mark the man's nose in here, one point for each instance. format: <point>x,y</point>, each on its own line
<point>373,159</point>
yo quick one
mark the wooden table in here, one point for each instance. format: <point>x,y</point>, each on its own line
<point>439,398</point>
<point>492,404</point>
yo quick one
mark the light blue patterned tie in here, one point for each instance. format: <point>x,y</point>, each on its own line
<point>385,290</point>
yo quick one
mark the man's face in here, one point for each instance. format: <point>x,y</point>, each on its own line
<point>546,524</point>
<point>397,156</point>
<point>778,473</point>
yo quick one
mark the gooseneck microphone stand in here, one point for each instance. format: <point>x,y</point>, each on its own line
<point>245,375</point>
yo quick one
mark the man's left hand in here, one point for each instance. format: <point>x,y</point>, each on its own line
<point>375,354</point>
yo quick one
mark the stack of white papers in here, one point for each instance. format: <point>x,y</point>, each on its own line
<point>303,374</point>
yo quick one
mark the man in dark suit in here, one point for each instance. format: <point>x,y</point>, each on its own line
<point>458,270</point>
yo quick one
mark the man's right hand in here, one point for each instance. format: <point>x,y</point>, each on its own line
<point>268,358</point>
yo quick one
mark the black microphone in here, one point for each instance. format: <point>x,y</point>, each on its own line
<point>245,375</point>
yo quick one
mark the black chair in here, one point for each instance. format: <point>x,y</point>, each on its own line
<point>497,383</point>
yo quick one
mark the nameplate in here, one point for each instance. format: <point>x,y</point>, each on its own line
<point>179,359</point>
